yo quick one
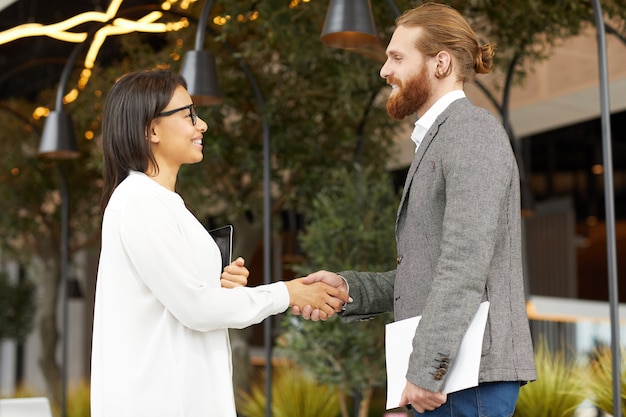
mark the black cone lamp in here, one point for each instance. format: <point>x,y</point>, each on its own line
<point>200,72</point>
<point>58,140</point>
<point>350,25</point>
<point>199,69</point>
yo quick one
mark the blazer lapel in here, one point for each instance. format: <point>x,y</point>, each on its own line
<point>421,150</point>
<point>413,168</point>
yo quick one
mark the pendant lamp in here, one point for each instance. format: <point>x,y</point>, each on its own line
<point>350,25</point>
<point>58,140</point>
<point>200,72</point>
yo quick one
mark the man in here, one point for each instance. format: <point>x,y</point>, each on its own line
<point>458,227</point>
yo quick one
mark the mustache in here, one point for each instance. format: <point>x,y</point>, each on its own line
<point>393,80</point>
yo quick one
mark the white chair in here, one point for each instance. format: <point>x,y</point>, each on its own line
<point>25,407</point>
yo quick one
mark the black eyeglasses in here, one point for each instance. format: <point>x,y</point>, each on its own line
<point>190,107</point>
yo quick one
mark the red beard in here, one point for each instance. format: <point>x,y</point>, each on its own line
<point>410,97</point>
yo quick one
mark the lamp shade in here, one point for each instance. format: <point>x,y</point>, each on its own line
<point>58,140</point>
<point>200,72</point>
<point>349,24</point>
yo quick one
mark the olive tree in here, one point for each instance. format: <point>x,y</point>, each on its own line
<point>350,226</point>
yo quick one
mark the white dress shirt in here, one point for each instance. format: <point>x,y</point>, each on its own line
<point>426,121</point>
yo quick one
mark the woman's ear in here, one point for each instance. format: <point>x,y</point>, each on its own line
<point>152,133</point>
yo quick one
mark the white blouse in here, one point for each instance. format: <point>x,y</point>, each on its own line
<point>160,338</point>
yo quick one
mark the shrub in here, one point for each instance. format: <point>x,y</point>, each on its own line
<point>350,226</point>
<point>294,393</point>
<point>558,391</point>
<point>600,380</point>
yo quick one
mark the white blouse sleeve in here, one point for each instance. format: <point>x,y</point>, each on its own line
<point>168,249</point>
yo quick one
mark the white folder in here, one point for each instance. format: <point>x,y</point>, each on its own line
<point>464,370</point>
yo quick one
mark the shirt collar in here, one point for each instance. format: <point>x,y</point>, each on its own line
<point>426,121</point>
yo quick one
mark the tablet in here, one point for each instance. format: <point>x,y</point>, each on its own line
<point>223,236</point>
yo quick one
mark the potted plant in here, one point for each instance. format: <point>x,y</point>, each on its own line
<point>295,392</point>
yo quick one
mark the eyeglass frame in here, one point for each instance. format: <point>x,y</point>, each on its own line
<point>190,107</point>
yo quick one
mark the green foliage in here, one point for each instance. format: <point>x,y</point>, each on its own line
<point>351,222</point>
<point>18,308</point>
<point>559,388</point>
<point>350,356</point>
<point>25,181</point>
<point>600,380</point>
<point>294,393</point>
<point>314,100</point>
<point>529,29</point>
<point>351,226</point>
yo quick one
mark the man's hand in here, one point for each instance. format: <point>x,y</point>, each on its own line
<point>308,311</point>
<point>318,295</point>
<point>421,399</point>
<point>235,274</point>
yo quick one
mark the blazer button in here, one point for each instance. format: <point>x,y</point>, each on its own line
<point>399,259</point>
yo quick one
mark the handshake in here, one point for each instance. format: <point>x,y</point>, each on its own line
<point>317,296</point>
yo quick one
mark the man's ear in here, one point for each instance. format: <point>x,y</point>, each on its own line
<point>444,64</point>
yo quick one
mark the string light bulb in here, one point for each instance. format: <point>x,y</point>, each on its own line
<point>118,26</point>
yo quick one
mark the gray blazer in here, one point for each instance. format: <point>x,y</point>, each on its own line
<point>458,237</point>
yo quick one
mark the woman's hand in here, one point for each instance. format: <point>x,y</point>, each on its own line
<point>235,274</point>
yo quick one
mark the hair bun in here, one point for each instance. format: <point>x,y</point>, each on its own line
<point>484,58</point>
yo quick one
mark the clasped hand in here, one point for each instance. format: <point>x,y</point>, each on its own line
<point>311,311</point>
<point>306,294</point>
<point>316,296</point>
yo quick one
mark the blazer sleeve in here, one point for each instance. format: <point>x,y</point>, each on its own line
<point>371,292</point>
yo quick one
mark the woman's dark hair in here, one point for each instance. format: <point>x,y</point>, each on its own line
<point>133,102</point>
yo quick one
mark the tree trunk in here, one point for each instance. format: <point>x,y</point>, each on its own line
<point>45,274</point>
<point>343,402</point>
<point>366,400</point>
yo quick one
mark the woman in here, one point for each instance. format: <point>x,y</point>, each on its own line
<point>160,339</point>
